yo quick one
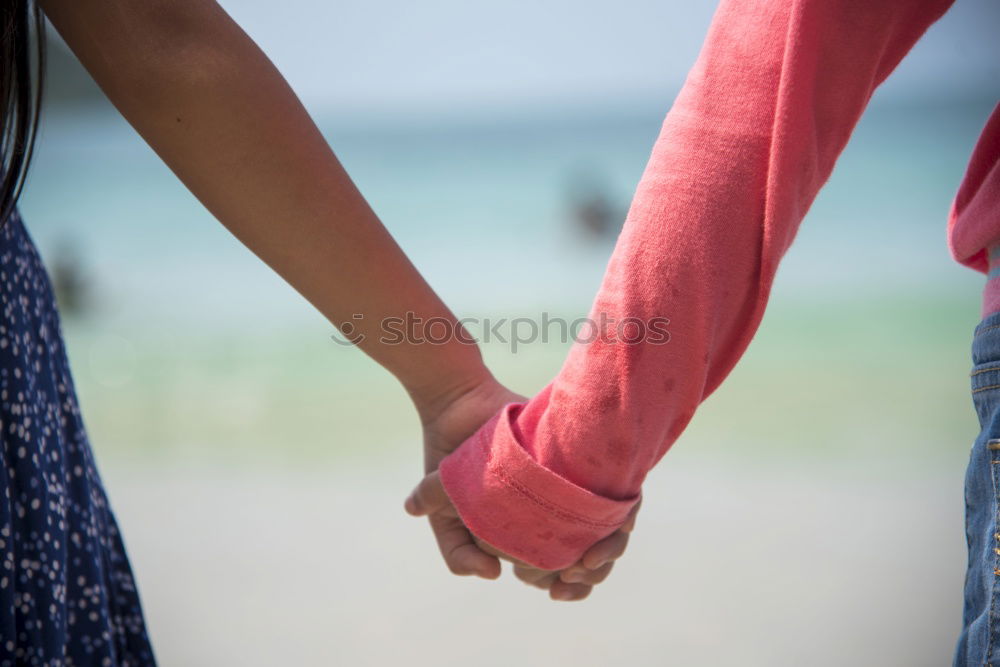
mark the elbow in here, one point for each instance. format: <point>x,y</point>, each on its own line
<point>171,50</point>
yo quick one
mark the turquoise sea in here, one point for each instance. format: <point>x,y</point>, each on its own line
<point>258,469</point>
<point>185,343</point>
<point>810,515</point>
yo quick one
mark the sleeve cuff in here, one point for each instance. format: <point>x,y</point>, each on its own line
<point>527,511</point>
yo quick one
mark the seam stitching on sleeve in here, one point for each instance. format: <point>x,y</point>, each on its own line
<point>505,477</point>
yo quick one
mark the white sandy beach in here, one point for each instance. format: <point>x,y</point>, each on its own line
<point>811,515</point>
<point>806,566</point>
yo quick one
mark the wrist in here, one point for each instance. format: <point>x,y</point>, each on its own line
<point>432,397</point>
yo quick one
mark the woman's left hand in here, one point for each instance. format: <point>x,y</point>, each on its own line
<point>447,427</point>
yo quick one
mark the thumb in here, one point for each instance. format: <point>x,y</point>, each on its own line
<point>429,497</point>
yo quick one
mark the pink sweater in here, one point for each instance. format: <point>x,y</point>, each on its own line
<point>751,138</point>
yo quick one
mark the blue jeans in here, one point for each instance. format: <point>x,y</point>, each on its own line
<point>979,643</point>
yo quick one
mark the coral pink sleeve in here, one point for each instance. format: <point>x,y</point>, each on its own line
<point>753,135</point>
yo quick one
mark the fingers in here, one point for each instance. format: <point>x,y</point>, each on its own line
<point>558,588</point>
<point>428,498</point>
<point>458,549</point>
<point>575,582</point>
<point>460,553</point>
<point>464,556</point>
<point>605,551</point>
<point>534,577</point>
<point>611,547</point>
<point>629,524</point>
<point>581,575</point>
<point>564,592</point>
<point>488,548</point>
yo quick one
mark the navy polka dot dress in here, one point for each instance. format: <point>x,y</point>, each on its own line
<point>67,596</point>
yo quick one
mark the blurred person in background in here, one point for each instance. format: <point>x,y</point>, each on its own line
<point>215,109</point>
<point>752,137</point>
<point>69,281</point>
<point>591,209</point>
<point>552,482</point>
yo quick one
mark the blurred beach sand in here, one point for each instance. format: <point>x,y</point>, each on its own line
<point>811,514</point>
<point>729,565</point>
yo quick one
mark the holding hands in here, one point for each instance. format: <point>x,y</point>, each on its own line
<point>445,427</point>
<point>228,124</point>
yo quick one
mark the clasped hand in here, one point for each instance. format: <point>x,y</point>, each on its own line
<point>445,427</point>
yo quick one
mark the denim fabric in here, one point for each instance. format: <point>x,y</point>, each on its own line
<point>979,643</point>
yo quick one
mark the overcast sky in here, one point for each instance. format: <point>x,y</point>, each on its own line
<point>377,54</point>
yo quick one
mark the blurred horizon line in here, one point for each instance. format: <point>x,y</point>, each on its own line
<point>70,89</point>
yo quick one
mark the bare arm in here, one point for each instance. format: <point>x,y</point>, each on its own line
<point>218,112</point>
<point>212,105</point>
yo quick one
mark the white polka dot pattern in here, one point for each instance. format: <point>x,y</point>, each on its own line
<point>67,596</point>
